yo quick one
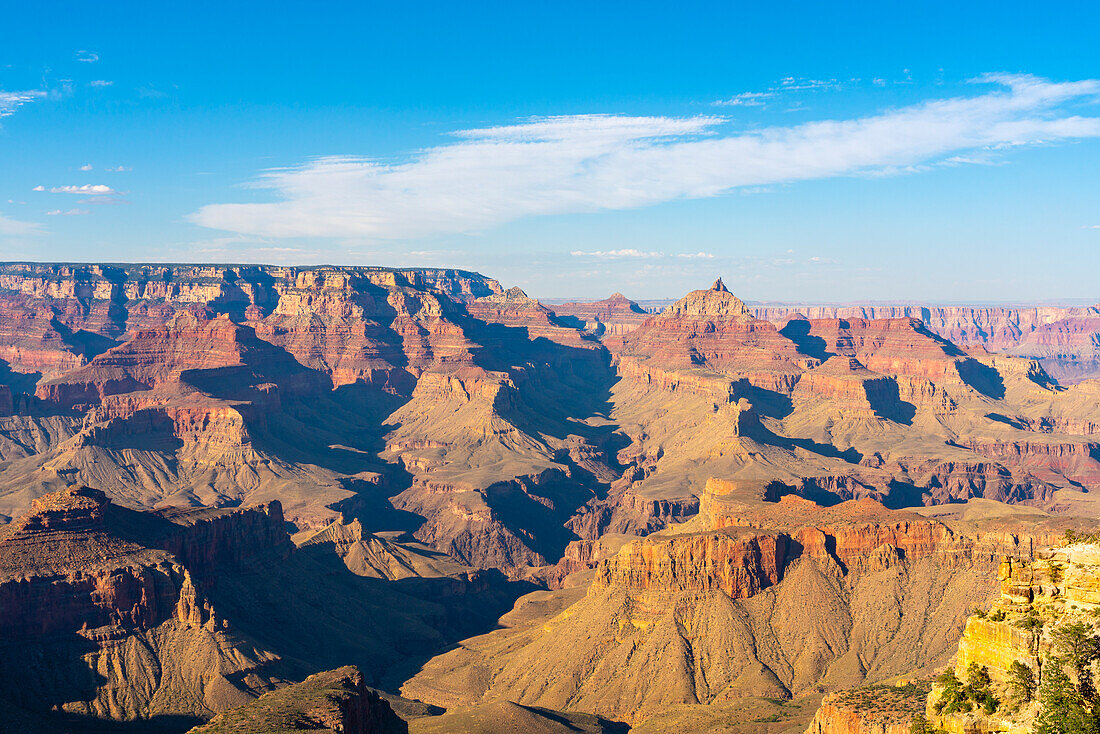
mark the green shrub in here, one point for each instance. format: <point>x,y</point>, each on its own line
<point>1021,681</point>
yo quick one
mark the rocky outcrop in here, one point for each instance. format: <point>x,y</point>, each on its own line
<point>714,330</point>
<point>334,701</point>
<point>86,583</point>
<point>749,598</point>
<point>1042,595</point>
<point>738,564</point>
<point>870,710</point>
<point>854,391</point>
<point>613,316</point>
<point>1039,597</point>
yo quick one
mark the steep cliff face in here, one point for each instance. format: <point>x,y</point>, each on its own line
<point>749,598</point>
<point>1040,599</point>
<point>108,608</point>
<point>494,429</point>
<point>870,710</point>
<point>849,407</point>
<point>179,615</point>
<point>1007,656</point>
<point>213,385</point>
<point>741,565</point>
<point>1063,338</point>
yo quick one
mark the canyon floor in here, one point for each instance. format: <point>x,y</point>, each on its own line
<point>260,498</point>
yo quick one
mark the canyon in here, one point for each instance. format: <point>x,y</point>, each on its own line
<point>415,500</point>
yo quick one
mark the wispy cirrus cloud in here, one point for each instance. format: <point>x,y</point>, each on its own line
<point>15,228</point>
<point>100,83</point>
<point>786,85</point>
<point>746,99</point>
<point>591,163</point>
<point>11,101</point>
<point>83,189</point>
<point>639,254</point>
<point>88,57</point>
<point>67,213</point>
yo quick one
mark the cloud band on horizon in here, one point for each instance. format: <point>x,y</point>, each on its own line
<point>590,163</point>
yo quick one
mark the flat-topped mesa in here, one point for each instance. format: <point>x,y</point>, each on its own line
<point>740,564</point>
<point>854,390</point>
<point>878,709</point>
<point>70,509</point>
<point>613,316</point>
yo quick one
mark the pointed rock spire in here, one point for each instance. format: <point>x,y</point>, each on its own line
<point>715,301</point>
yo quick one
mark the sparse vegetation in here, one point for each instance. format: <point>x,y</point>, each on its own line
<point>1070,705</point>
<point>920,725</point>
<point>1031,621</point>
<point>1062,708</point>
<point>976,693</point>
<point>1072,537</point>
<point>998,615</point>
<point>1021,682</point>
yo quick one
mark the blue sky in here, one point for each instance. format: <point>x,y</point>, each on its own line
<point>810,152</point>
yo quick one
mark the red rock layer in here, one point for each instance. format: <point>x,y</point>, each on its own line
<point>614,316</point>
<point>713,330</point>
<point>874,712</point>
<point>853,389</point>
<point>738,564</point>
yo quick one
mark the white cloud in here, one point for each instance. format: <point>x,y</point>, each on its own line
<point>746,99</point>
<point>786,85</point>
<point>118,169</point>
<point>100,83</point>
<point>794,84</point>
<point>69,213</point>
<point>86,189</point>
<point>87,57</point>
<point>616,254</point>
<point>638,254</point>
<point>86,167</point>
<point>591,163</point>
<point>13,227</point>
<point>11,101</point>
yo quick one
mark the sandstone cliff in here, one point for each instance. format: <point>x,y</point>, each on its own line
<point>751,598</point>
